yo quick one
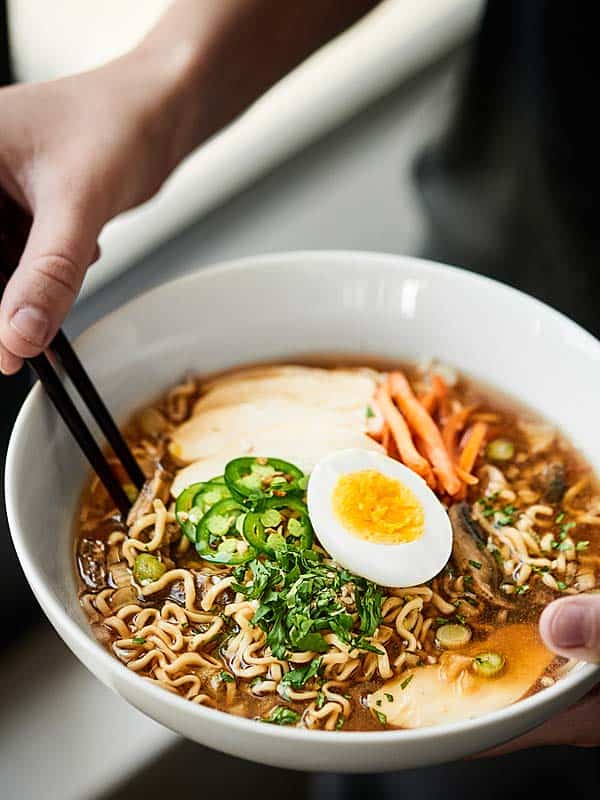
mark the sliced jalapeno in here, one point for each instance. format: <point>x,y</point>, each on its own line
<point>219,535</point>
<point>193,503</point>
<point>257,478</point>
<point>281,520</point>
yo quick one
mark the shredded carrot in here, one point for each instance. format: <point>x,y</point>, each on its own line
<point>429,401</point>
<point>453,427</point>
<point>466,477</point>
<point>386,436</point>
<point>401,435</point>
<point>422,425</point>
<point>474,440</point>
<point>436,397</point>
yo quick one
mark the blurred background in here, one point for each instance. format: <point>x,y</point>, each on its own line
<point>445,128</point>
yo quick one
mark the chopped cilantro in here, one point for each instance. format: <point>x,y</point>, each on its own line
<point>381,717</point>
<point>406,681</point>
<point>282,715</point>
<point>296,678</point>
<point>475,564</point>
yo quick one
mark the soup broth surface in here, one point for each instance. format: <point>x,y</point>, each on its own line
<point>526,524</point>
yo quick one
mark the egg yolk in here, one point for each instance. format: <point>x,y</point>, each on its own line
<point>377,508</point>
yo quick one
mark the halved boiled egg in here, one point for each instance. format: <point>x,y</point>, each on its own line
<point>378,518</point>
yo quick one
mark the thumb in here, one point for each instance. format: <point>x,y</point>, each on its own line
<point>60,247</point>
<point>571,627</point>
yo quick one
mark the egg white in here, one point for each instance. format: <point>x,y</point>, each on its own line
<point>394,565</point>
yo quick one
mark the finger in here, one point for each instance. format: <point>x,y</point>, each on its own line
<point>9,364</point>
<point>59,249</point>
<point>571,627</point>
<point>576,725</point>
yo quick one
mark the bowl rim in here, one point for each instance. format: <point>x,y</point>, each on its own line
<point>95,652</point>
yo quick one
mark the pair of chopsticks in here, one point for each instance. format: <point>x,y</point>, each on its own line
<point>61,349</point>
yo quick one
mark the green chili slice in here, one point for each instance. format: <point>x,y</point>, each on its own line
<point>281,520</point>
<point>219,537</point>
<point>193,503</point>
<point>258,478</point>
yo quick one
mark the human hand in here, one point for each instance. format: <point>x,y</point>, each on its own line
<point>571,628</point>
<point>74,153</point>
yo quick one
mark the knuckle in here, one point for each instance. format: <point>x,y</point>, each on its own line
<point>58,274</point>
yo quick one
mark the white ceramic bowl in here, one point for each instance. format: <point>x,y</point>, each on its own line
<point>285,305</point>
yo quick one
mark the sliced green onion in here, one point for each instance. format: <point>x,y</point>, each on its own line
<point>453,637</point>
<point>488,665</point>
<point>500,450</point>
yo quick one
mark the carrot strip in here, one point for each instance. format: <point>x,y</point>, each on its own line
<point>422,424</point>
<point>441,391</point>
<point>401,434</point>
<point>436,396</point>
<point>453,427</point>
<point>386,436</point>
<point>429,401</point>
<point>466,477</point>
<point>475,439</point>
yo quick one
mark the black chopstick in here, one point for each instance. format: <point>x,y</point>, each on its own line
<point>61,348</point>
<point>74,422</point>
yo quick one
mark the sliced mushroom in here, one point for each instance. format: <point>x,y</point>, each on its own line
<point>471,556</point>
<point>157,487</point>
<point>91,557</point>
<point>552,481</point>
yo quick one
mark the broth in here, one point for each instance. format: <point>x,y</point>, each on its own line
<point>189,624</point>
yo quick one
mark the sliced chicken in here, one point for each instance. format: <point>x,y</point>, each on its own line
<point>302,445</point>
<point>451,691</point>
<point>296,413</point>
<point>338,389</point>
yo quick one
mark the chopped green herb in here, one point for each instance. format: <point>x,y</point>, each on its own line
<point>381,717</point>
<point>320,700</point>
<point>565,546</point>
<point>369,412</point>
<point>461,618</point>
<point>406,681</point>
<point>389,697</point>
<point>340,722</point>
<point>475,564</point>
<point>561,585</point>
<point>522,589</point>
<point>468,580</point>
<point>226,677</point>
<point>378,702</point>
<point>138,640</point>
<point>296,678</point>
<point>583,545</point>
<point>440,620</point>
<point>255,681</point>
<point>560,517</point>
<point>282,715</point>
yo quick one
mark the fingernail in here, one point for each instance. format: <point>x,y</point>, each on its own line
<point>572,626</point>
<point>32,324</point>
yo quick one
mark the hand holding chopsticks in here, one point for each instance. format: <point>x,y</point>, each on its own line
<point>44,369</point>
